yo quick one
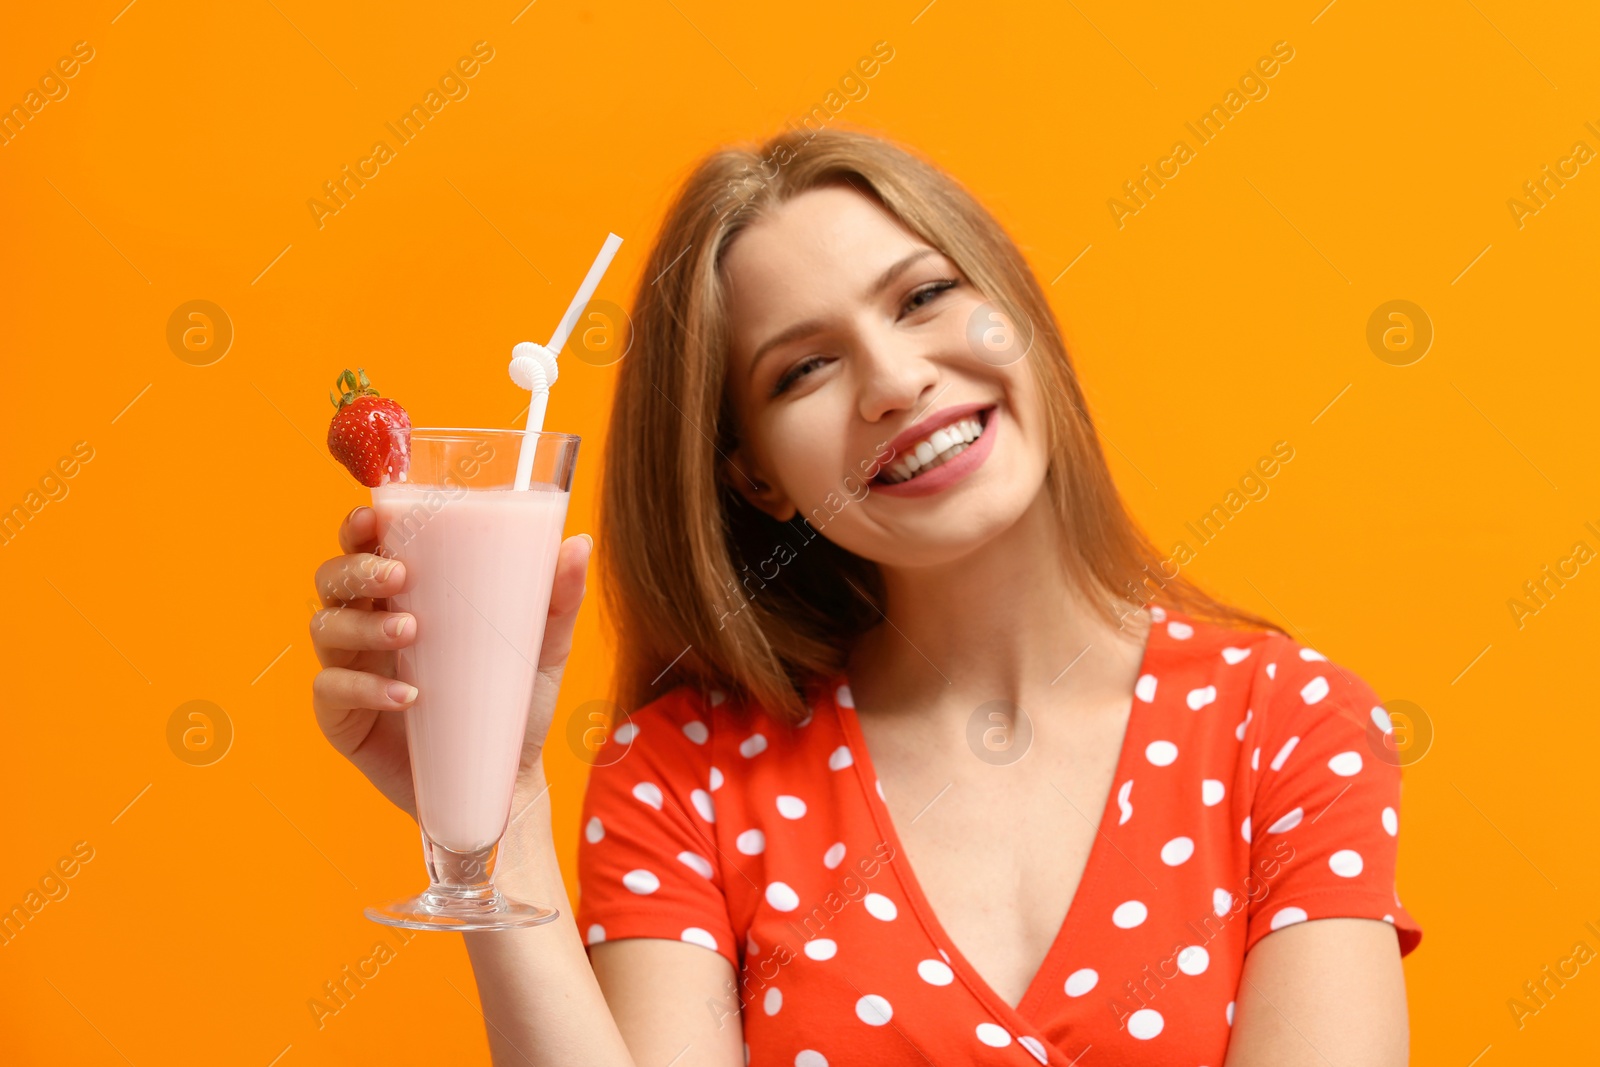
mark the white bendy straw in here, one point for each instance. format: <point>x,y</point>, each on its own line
<point>533,366</point>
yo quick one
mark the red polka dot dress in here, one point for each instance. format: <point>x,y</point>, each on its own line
<point>1251,792</point>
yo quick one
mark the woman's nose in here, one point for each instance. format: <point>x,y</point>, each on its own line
<point>894,373</point>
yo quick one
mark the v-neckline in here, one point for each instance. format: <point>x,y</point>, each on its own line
<point>1050,965</point>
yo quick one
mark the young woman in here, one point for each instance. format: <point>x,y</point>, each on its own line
<point>932,757</point>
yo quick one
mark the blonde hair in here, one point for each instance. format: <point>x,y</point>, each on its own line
<point>676,540</point>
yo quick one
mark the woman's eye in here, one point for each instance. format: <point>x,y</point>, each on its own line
<point>793,373</point>
<point>921,297</point>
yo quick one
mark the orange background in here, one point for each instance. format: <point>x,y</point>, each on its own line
<point>1227,314</point>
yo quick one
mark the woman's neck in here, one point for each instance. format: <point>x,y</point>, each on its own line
<point>1002,623</point>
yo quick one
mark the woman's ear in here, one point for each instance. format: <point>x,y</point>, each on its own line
<point>744,475</point>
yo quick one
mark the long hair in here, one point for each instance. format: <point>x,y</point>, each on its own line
<point>682,555</point>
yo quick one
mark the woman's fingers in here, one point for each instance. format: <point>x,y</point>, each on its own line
<point>359,576</point>
<point>336,691</point>
<point>566,597</point>
<point>338,632</point>
<point>359,531</point>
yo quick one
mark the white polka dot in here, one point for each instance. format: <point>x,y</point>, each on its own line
<point>1180,631</point>
<point>834,856</point>
<point>716,779</point>
<point>1232,655</point>
<point>595,830</point>
<point>791,807</point>
<point>1161,753</point>
<point>596,934</point>
<point>1283,753</point>
<point>1287,821</point>
<point>703,805</point>
<point>696,936</point>
<point>945,954</point>
<point>1129,913</point>
<point>1123,807</point>
<point>1380,719</point>
<point>993,1036</point>
<point>1238,731</point>
<point>1221,902</point>
<point>753,745</point>
<point>878,785</point>
<point>843,696</point>
<point>751,842</point>
<point>1255,759</point>
<point>641,881</point>
<point>1145,688</point>
<point>1314,690</point>
<point>1035,1048</point>
<point>803,722</point>
<point>773,1001</point>
<point>1272,670</point>
<point>1145,1023</point>
<point>696,863</point>
<point>1345,764</point>
<point>821,948</point>
<point>1194,960</point>
<point>1346,863</point>
<point>1081,981</point>
<point>1312,656</point>
<point>717,697</point>
<point>1284,916</point>
<point>1230,1013</point>
<point>1177,851</point>
<point>625,733</point>
<point>1388,918</point>
<point>696,731</point>
<point>1391,822</point>
<point>781,897</point>
<point>810,1058</point>
<point>650,793</point>
<point>874,1010</point>
<point>1244,829</point>
<point>935,972</point>
<point>840,758</point>
<point>1158,613</point>
<point>880,906</point>
<point>1212,792</point>
<point>750,948</point>
<point>1199,698</point>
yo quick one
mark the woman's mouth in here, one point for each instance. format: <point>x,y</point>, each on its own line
<point>935,451</point>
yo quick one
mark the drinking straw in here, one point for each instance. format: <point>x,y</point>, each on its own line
<point>533,366</point>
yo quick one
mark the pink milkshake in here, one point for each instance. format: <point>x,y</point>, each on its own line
<point>479,569</point>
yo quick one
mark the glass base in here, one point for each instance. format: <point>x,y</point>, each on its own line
<point>434,910</point>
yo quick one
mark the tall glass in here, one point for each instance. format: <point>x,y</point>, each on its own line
<point>480,559</point>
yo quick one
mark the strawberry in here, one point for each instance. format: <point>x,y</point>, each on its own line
<point>369,434</point>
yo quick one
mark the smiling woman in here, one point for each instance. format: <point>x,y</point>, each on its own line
<point>1094,887</point>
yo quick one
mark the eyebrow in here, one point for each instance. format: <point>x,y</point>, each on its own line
<point>811,326</point>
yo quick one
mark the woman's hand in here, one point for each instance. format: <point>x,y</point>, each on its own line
<point>356,696</point>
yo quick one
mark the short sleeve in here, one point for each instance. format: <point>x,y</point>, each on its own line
<point>1324,823</point>
<point>648,865</point>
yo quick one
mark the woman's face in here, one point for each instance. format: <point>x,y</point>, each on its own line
<point>847,330</point>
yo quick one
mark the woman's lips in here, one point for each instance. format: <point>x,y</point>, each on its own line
<point>951,471</point>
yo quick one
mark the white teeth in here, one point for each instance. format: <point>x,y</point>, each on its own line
<point>940,447</point>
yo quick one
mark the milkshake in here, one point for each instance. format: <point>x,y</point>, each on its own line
<point>479,566</point>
